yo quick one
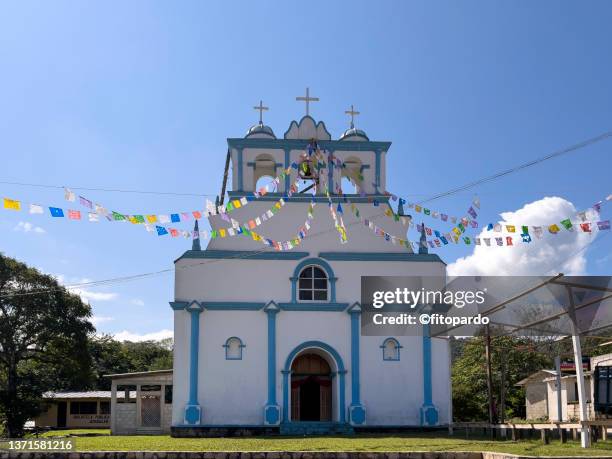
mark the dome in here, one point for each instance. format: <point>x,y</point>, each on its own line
<point>354,134</point>
<point>260,130</point>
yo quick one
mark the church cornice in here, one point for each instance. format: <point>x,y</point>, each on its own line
<point>380,256</point>
<point>302,144</point>
<point>242,255</point>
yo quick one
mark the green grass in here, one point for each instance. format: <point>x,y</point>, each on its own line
<point>421,442</point>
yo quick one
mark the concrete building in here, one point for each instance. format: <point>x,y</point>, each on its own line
<point>141,403</point>
<point>75,410</point>
<point>270,339</point>
<point>542,394</point>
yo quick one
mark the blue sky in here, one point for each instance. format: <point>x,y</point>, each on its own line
<point>142,95</point>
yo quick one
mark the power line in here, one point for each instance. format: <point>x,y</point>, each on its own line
<point>534,162</point>
<point>116,280</point>
<point>108,190</point>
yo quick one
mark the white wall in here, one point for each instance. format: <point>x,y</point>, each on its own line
<point>234,392</point>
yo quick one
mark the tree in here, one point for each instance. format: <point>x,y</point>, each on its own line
<point>111,356</point>
<point>519,357</point>
<point>43,341</point>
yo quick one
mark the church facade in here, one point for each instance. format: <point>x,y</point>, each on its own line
<point>269,340</point>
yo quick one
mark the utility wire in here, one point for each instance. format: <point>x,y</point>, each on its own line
<point>534,162</point>
<point>109,190</point>
<point>440,195</point>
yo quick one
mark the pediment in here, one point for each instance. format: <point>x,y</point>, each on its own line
<point>307,128</point>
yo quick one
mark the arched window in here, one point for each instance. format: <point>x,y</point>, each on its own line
<point>391,349</point>
<point>263,181</point>
<point>313,284</point>
<point>352,177</point>
<point>233,348</point>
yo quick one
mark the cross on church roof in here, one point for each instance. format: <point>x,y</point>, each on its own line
<point>261,109</point>
<point>352,112</point>
<point>307,99</point>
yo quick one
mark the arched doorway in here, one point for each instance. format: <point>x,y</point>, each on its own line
<point>311,388</point>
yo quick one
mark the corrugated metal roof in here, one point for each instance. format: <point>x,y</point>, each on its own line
<point>139,373</point>
<point>89,394</point>
<point>104,394</point>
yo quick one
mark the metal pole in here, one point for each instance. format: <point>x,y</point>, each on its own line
<point>585,437</point>
<point>489,376</point>
<point>225,172</point>
<point>559,403</point>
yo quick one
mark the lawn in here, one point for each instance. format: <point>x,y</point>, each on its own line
<point>420,442</point>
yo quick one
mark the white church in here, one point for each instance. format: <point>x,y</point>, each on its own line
<point>268,341</point>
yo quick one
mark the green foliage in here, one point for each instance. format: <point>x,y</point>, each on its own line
<point>423,441</point>
<point>110,356</point>
<point>43,341</point>
<point>517,358</point>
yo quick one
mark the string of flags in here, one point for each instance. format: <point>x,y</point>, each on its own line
<point>222,232</point>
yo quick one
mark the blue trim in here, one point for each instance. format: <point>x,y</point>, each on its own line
<point>313,306</point>
<point>243,255</point>
<point>296,197</point>
<point>193,413</point>
<point>288,176</point>
<point>377,183</point>
<point>397,346</point>
<point>253,163</point>
<point>232,305</point>
<point>227,346</point>
<point>339,365</point>
<point>240,176</point>
<point>380,256</point>
<point>429,413</point>
<point>272,413</point>
<point>330,173</point>
<point>330,277</point>
<point>178,305</point>
<point>302,144</point>
<point>355,373</point>
<point>356,410</point>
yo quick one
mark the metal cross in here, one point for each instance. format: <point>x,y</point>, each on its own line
<point>261,109</point>
<point>307,99</point>
<point>352,112</point>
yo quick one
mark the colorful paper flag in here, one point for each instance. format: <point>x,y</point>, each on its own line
<point>554,228</point>
<point>586,227</point>
<point>74,214</point>
<point>510,228</point>
<point>604,225</point>
<point>85,202</point>
<point>118,217</point>
<point>12,204</point>
<point>175,218</point>
<point>93,217</point>
<point>567,224</point>
<point>36,209</point>
<point>161,231</point>
<point>56,212</point>
<point>69,195</point>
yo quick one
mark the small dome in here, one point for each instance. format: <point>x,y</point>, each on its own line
<point>260,130</point>
<point>354,134</point>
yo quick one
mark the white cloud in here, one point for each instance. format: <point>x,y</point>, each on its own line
<point>137,302</point>
<point>560,253</point>
<point>153,336</point>
<point>27,227</point>
<point>97,320</point>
